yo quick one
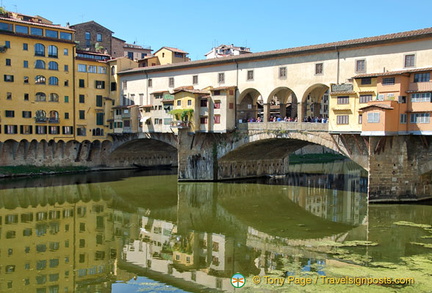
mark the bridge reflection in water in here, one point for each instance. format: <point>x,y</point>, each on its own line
<point>85,237</point>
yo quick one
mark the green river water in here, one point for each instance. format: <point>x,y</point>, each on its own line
<point>126,231</point>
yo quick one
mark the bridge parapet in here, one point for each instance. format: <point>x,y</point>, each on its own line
<point>294,126</point>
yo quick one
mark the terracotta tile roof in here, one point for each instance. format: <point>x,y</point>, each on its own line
<point>343,93</point>
<point>173,50</point>
<point>381,106</point>
<point>221,88</point>
<point>398,72</point>
<point>368,41</point>
<point>159,92</point>
<point>37,24</point>
<point>192,91</point>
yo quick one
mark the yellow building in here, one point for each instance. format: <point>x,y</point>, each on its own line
<point>93,88</point>
<point>167,55</point>
<point>187,112</point>
<point>36,90</point>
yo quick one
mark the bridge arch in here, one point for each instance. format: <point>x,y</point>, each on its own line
<point>143,152</point>
<point>266,152</point>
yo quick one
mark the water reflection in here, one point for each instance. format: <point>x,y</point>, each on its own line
<point>194,236</point>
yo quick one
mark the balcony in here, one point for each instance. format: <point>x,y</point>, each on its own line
<point>41,119</point>
<point>180,124</point>
<point>420,86</point>
<point>168,98</point>
<point>288,126</point>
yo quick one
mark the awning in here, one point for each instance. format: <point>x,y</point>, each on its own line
<point>145,118</point>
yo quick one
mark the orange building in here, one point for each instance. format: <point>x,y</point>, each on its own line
<point>402,104</point>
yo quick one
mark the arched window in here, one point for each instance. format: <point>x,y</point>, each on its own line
<point>112,70</point>
<point>53,80</point>
<point>54,97</point>
<point>52,51</point>
<point>52,65</point>
<point>39,64</point>
<point>40,97</point>
<point>40,116</point>
<point>40,79</point>
<point>39,49</point>
<point>53,117</point>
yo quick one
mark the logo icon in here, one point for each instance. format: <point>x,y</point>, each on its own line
<point>238,281</point>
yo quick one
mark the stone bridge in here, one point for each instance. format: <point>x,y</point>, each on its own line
<point>399,167</point>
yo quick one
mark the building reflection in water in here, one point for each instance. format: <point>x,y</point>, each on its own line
<point>84,237</point>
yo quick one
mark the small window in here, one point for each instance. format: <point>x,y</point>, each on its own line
<point>360,66</point>
<point>422,77</point>
<point>9,113</point>
<point>82,99</point>
<point>171,82</point>
<point>100,84</point>
<point>81,83</point>
<point>217,119</point>
<point>99,37</point>
<point>410,60</point>
<point>25,64</point>
<point>250,75</point>
<point>403,118</point>
<point>25,47</point>
<point>195,79</point>
<point>342,119</point>
<point>366,80</point>
<point>150,82</point>
<point>203,103</point>
<point>217,104</point>
<point>221,77</point>
<point>282,72</point>
<point>8,62</point>
<point>81,114</point>
<point>373,117</point>
<point>420,118</point>
<point>8,96</point>
<point>365,98</point>
<point>113,86</point>
<point>388,81</point>
<point>179,103</point>
<point>319,68</point>
<point>189,102</point>
<point>343,100</point>
<point>203,120</point>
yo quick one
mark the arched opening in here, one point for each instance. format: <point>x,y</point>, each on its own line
<point>315,103</point>
<point>282,105</point>
<point>250,107</point>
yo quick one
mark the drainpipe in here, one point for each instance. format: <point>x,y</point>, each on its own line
<point>74,92</point>
<point>338,65</point>
<point>235,97</point>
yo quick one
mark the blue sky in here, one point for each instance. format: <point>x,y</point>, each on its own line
<point>196,26</point>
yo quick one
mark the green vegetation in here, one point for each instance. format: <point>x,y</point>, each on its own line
<point>314,158</point>
<point>29,169</point>
<point>181,114</point>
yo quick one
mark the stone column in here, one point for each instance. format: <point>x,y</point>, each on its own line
<point>394,171</point>
<point>266,108</point>
<point>300,112</point>
<point>282,110</point>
